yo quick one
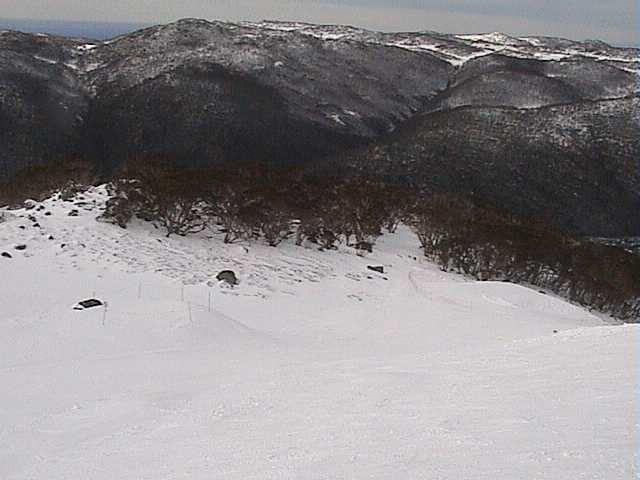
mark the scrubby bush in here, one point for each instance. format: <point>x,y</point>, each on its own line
<point>156,190</point>
<point>253,201</point>
<point>38,182</point>
<point>489,244</point>
<point>119,208</point>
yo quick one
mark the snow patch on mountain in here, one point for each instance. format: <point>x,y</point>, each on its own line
<point>449,49</point>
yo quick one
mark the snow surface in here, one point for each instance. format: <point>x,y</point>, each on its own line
<point>86,47</point>
<point>493,37</point>
<point>46,60</point>
<point>312,368</point>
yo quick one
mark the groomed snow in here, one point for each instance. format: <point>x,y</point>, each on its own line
<point>312,368</point>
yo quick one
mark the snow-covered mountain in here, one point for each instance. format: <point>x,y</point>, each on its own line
<point>458,49</point>
<point>312,367</point>
<point>205,92</point>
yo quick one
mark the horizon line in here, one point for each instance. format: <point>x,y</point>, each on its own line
<point>135,26</point>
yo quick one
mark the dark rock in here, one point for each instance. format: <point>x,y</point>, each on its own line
<point>51,237</point>
<point>7,255</point>
<point>31,218</point>
<point>20,247</point>
<point>364,246</point>
<point>36,225</point>
<point>378,269</point>
<point>74,213</point>
<point>85,304</point>
<point>47,214</point>
<point>228,276</point>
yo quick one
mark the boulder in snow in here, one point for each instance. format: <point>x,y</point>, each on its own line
<point>376,268</point>
<point>6,255</point>
<point>228,276</point>
<point>86,304</point>
<point>29,204</point>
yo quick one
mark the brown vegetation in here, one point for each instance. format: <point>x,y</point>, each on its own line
<point>255,201</point>
<point>489,244</point>
<point>40,181</point>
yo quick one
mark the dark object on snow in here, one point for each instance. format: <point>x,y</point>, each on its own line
<point>50,237</point>
<point>227,276</point>
<point>6,255</point>
<point>542,292</point>
<point>555,331</point>
<point>378,269</point>
<point>73,213</point>
<point>47,214</point>
<point>20,247</point>
<point>32,218</point>
<point>365,246</point>
<point>91,303</point>
<point>36,225</point>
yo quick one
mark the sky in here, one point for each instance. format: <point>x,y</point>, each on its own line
<point>614,21</point>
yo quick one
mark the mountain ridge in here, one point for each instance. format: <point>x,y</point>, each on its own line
<point>286,92</point>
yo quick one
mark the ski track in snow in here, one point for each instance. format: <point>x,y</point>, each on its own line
<point>313,367</point>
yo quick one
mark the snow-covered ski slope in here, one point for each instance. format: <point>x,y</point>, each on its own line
<point>312,368</point>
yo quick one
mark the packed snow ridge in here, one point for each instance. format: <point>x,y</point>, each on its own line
<point>313,367</point>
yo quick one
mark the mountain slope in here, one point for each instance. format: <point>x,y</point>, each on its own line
<point>313,367</point>
<point>206,92</point>
<point>42,102</point>
<point>577,165</point>
<point>500,80</point>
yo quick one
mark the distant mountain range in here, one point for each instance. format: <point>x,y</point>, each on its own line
<point>73,29</point>
<point>544,126</point>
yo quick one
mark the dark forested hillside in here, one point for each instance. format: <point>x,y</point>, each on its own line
<point>543,126</point>
<point>577,165</point>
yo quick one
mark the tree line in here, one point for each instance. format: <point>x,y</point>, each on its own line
<point>490,244</point>
<point>461,234</point>
<point>39,181</point>
<point>250,201</point>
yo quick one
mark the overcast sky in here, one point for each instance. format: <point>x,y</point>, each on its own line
<point>615,21</point>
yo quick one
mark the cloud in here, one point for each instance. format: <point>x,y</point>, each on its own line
<point>613,20</point>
